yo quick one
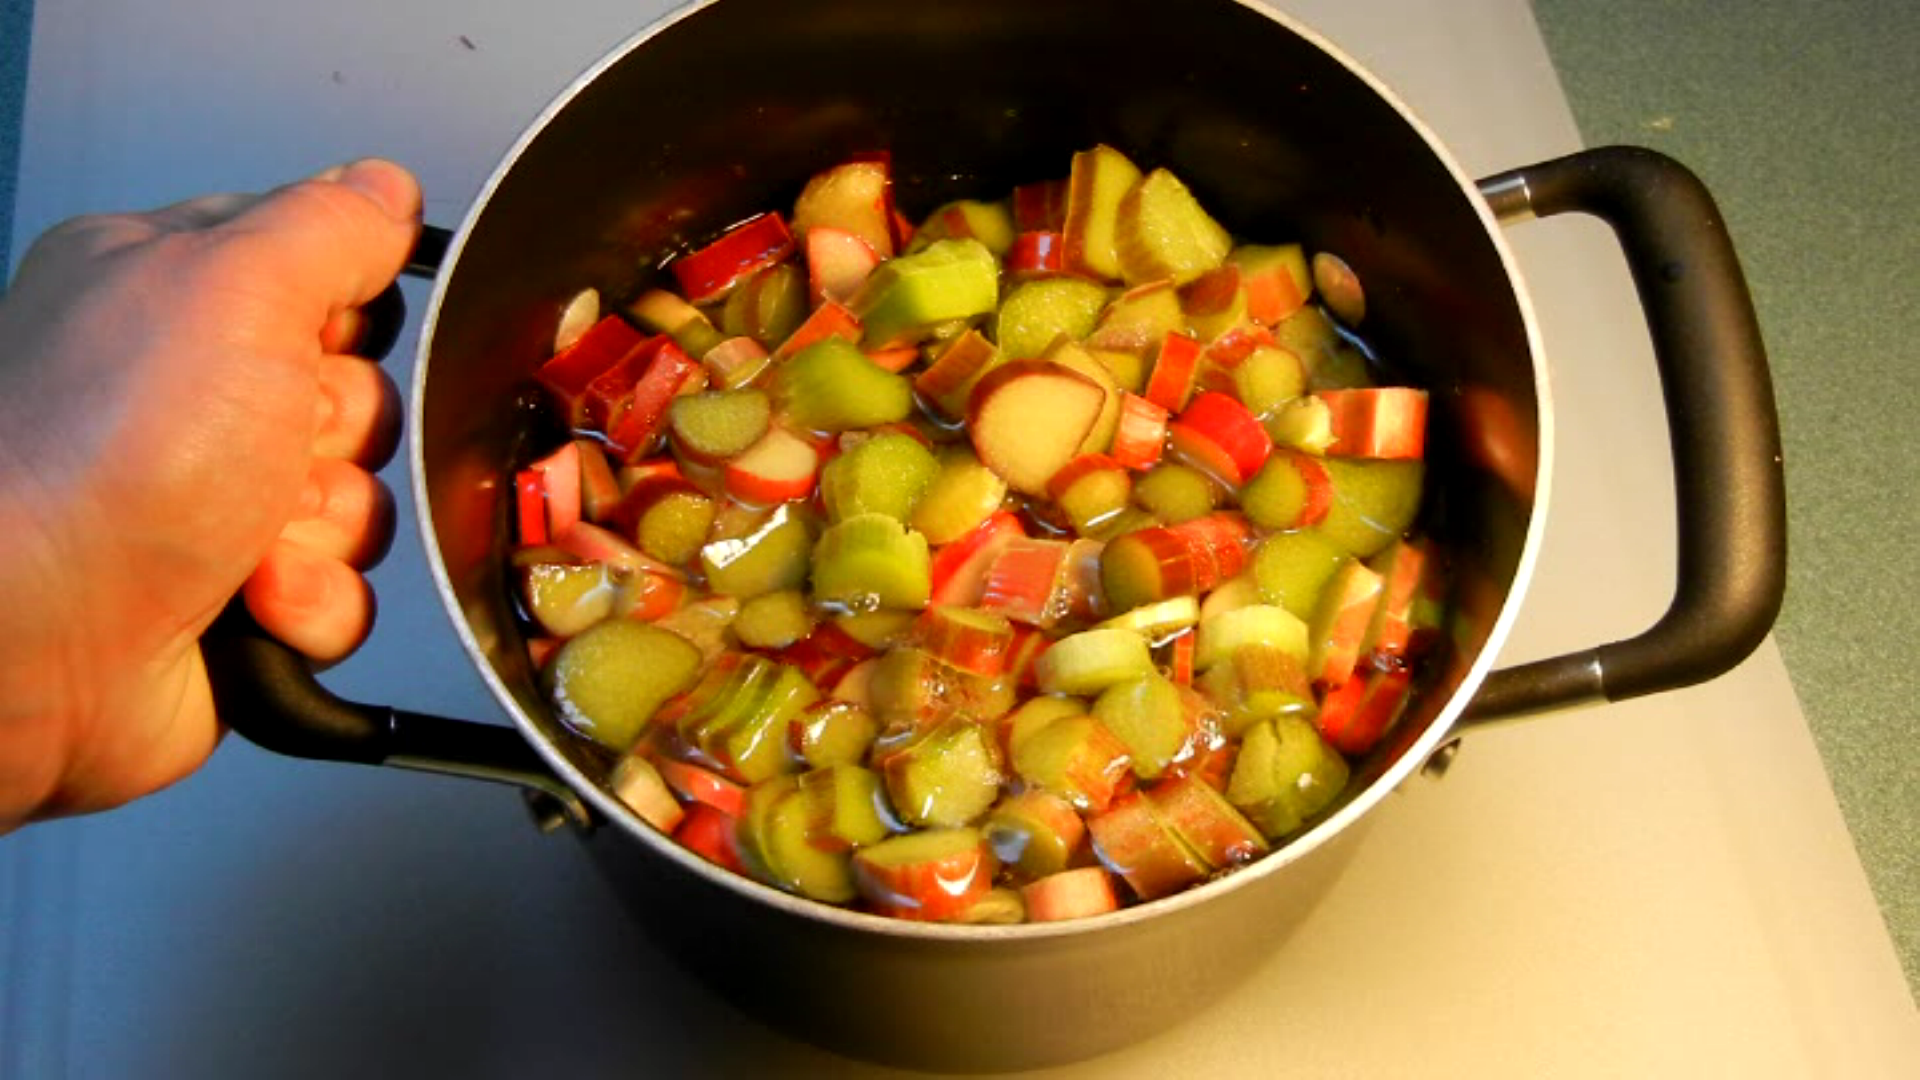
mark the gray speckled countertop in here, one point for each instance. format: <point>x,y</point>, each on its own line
<point>1799,116</point>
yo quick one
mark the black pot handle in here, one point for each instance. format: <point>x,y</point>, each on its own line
<point>267,691</point>
<point>1728,479</point>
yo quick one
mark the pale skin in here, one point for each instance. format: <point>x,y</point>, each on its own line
<point>181,421</point>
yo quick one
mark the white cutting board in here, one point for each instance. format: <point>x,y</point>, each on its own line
<point>1663,888</point>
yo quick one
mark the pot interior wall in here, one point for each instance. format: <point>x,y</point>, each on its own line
<point>727,111</point>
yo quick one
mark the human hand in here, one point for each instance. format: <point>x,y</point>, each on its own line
<point>178,422</point>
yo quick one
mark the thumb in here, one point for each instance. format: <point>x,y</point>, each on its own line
<point>334,240</point>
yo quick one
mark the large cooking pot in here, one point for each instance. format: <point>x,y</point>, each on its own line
<point>723,110</point>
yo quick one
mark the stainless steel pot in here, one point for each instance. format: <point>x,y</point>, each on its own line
<point>724,109</point>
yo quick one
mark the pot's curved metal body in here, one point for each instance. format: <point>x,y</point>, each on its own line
<point>725,110</point>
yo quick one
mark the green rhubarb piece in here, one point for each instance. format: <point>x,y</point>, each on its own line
<point>962,495</point>
<point>871,561</point>
<point>848,804</point>
<point>1175,493</point>
<point>1129,369</point>
<point>1036,313</point>
<point>1132,519</point>
<point>1305,423</point>
<point>757,746</point>
<point>1285,774</point>
<point>832,386</point>
<point>1075,757</point>
<point>729,694</point>
<point>1164,232</point>
<point>1221,635</point>
<point>1086,663</point>
<point>1331,363</point>
<point>608,681</point>
<point>566,598</point>
<point>773,620</point>
<point>1159,620</point>
<point>834,733</point>
<point>1260,683</point>
<point>1374,503</point>
<point>1138,319</point>
<point>719,424</point>
<point>1294,568</point>
<point>1096,186</point>
<point>1035,832</point>
<point>906,298</point>
<point>1277,494</point>
<point>1148,715</point>
<point>703,622</point>
<point>991,223</point>
<point>770,306</point>
<point>1034,714</point>
<point>880,629</point>
<point>775,555</point>
<point>661,312</point>
<point>913,688</point>
<point>886,474</point>
<point>793,858</point>
<point>674,526</point>
<point>1095,498</point>
<point>1267,379</point>
<point>946,778</point>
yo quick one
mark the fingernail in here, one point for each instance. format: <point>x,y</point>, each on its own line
<point>390,187</point>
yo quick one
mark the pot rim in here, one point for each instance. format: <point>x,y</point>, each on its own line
<point>1294,849</point>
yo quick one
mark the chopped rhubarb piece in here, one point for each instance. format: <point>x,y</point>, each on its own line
<point>1181,657</point>
<point>1027,418</point>
<point>696,784</point>
<point>932,875</point>
<point>710,834</point>
<point>599,487</point>
<point>1402,568</point>
<point>560,478</point>
<point>1378,422</point>
<point>709,273</point>
<point>950,378</point>
<point>638,784</point>
<point>1275,279</point>
<point>896,359</point>
<point>988,222</point>
<point>635,473</point>
<point>1075,757</point>
<point>530,505</point>
<point>1023,660</point>
<point>573,367</point>
<point>1040,207</point>
<point>1035,832</point>
<point>1357,713</point>
<point>959,570</point>
<point>649,596</point>
<point>1034,255</point>
<point>1292,491</point>
<point>855,196</point>
<point>541,649</point>
<point>1341,620</point>
<point>1070,894</point>
<point>1207,822</point>
<point>781,467</point>
<point>1197,449</point>
<point>576,318</point>
<point>1097,185</point>
<point>736,362</point>
<point>1141,433</point>
<point>595,544</point>
<point>1231,348</point>
<point>1339,286</point>
<point>830,320</point>
<point>1024,579</point>
<point>661,312</point>
<point>1134,842</point>
<point>968,638</point>
<point>838,263</point>
<point>608,396</point>
<point>1231,427</point>
<point>671,371</point>
<point>1166,561</point>
<point>1173,363</point>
